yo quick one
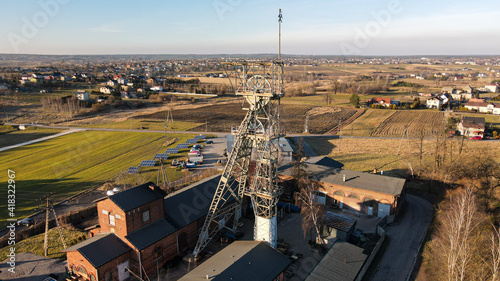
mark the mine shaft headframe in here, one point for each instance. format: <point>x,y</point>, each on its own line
<point>258,79</point>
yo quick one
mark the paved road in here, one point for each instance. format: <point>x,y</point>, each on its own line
<point>72,130</point>
<point>405,241</point>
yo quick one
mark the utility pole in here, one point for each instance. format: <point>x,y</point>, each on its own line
<point>46,238</point>
<point>340,133</point>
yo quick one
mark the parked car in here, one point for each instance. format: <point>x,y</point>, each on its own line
<point>198,146</point>
<point>193,149</point>
<point>209,142</point>
<point>26,222</point>
<point>476,138</point>
<point>190,165</point>
<point>175,162</point>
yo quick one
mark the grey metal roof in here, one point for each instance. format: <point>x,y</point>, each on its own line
<point>137,196</point>
<point>101,248</point>
<point>147,235</point>
<point>341,263</point>
<point>325,161</point>
<point>366,181</point>
<point>242,261</point>
<point>339,222</point>
<point>191,203</point>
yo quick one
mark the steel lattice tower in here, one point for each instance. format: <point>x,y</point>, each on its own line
<point>256,142</point>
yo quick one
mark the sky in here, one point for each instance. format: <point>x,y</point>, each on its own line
<point>315,27</point>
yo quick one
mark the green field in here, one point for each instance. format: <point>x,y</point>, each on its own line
<point>35,244</point>
<point>76,162</point>
<point>10,136</point>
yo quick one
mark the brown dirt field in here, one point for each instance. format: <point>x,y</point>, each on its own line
<point>220,117</point>
<point>427,123</point>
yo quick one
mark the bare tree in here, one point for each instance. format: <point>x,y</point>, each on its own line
<point>454,240</point>
<point>311,211</point>
<point>495,254</point>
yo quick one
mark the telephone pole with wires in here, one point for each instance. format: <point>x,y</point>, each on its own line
<point>50,207</point>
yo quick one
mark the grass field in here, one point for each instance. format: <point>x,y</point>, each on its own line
<point>12,136</point>
<point>73,163</point>
<point>366,123</point>
<point>34,244</point>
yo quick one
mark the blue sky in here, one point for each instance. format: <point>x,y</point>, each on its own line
<point>334,27</point>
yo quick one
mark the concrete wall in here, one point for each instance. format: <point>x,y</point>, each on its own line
<point>381,232</point>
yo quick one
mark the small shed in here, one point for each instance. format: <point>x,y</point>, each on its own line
<point>337,226</point>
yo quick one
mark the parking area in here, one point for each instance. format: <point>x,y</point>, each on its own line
<point>213,152</point>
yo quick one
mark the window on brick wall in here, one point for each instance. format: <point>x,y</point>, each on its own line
<point>145,216</point>
<point>107,276</point>
<point>111,220</point>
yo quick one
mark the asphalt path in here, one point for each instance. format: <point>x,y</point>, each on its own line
<point>69,131</point>
<point>406,238</point>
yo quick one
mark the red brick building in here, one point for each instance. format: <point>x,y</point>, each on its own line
<point>140,229</point>
<point>372,194</point>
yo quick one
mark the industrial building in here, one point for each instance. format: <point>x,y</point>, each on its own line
<point>242,260</point>
<point>372,194</point>
<point>140,229</point>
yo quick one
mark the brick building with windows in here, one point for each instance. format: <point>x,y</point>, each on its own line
<point>372,194</point>
<point>141,229</point>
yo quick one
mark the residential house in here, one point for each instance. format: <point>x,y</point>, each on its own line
<point>142,228</point>
<point>243,261</point>
<point>386,102</point>
<point>437,101</point>
<point>157,88</point>
<point>468,89</point>
<point>372,194</point>
<point>106,89</point>
<point>471,126</point>
<point>483,107</point>
<point>82,95</point>
<point>448,90</point>
<point>491,88</point>
<point>111,83</point>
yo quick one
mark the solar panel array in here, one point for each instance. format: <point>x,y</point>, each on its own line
<point>183,145</point>
<point>148,163</point>
<point>172,150</point>
<point>133,170</point>
<point>161,156</point>
<point>200,137</point>
<point>192,141</point>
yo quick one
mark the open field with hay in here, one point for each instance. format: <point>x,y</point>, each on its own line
<point>365,154</point>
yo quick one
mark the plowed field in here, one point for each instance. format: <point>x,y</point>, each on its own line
<point>427,123</point>
<point>221,117</point>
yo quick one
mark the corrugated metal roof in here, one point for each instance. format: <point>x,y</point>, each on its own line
<point>242,261</point>
<point>147,235</point>
<point>341,263</point>
<point>366,181</point>
<point>339,222</point>
<point>101,248</point>
<point>191,203</point>
<point>137,196</point>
